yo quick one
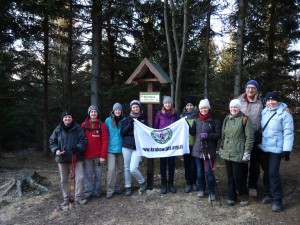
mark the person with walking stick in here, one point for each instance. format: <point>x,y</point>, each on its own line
<point>207,131</point>
<point>67,143</point>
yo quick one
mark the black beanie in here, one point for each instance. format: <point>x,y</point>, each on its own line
<point>272,95</point>
<point>66,113</point>
<point>190,99</point>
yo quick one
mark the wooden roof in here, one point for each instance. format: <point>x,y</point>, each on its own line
<point>148,71</point>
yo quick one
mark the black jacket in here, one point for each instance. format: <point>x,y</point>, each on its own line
<point>66,141</point>
<point>127,131</point>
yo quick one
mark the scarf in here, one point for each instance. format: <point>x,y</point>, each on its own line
<point>190,115</point>
<point>203,117</point>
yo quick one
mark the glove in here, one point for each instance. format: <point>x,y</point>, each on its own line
<point>285,155</point>
<point>203,136</point>
<point>246,156</point>
<point>220,152</point>
<point>75,150</point>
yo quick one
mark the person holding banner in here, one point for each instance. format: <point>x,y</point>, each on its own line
<point>190,112</point>
<point>207,131</point>
<point>166,116</point>
<point>130,155</point>
<point>236,146</point>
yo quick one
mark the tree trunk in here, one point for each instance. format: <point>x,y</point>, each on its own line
<point>45,74</point>
<point>240,46</point>
<point>69,100</point>
<point>180,55</point>
<point>96,52</point>
<point>206,51</point>
<point>169,47</point>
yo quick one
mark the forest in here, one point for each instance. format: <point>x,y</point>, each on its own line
<point>69,54</point>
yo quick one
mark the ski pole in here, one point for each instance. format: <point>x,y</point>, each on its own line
<point>213,171</point>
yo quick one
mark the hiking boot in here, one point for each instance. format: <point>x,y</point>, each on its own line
<point>128,191</point>
<point>163,189</point>
<point>188,189</point>
<point>252,192</point>
<point>65,203</point>
<point>96,195</point>
<point>244,203</point>
<point>276,208</point>
<point>81,202</point>
<point>267,200</point>
<point>118,190</point>
<point>172,188</point>
<point>143,187</point>
<point>194,187</point>
<point>212,197</point>
<point>201,194</point>
<point>230,202</point>
<point>109,195</point>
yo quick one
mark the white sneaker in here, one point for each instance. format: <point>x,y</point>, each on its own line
<point>252,192</point>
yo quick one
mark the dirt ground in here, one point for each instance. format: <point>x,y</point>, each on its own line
<point>149,208</point>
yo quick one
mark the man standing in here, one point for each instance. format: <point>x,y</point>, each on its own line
<point>66,142</point>
<point>252,106</point>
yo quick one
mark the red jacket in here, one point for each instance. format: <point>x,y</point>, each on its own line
<point>97,139</point>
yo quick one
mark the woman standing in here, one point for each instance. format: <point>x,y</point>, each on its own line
<point>115,163</point>
<point>96,152</point>
<point>236,145</point>
<point>277,143</point>
<point>131,158</point>
<point>190,112</point>
<point>208,131</point>
<point>166,116</point>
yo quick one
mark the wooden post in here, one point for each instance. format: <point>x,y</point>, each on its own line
<point>150,161</point>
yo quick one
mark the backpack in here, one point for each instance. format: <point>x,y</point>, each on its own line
<point>91,129</point>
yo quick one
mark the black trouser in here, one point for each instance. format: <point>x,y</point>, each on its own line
<point>189,169</point>
<point>272,179</point>
<point>170,162</point>
<point>256,162</point>
<point>237,180</point>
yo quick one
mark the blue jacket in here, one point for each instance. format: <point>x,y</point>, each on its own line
<point>278,135</point>
<point>115,139</point>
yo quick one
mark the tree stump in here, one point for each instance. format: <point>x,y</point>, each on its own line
<point>28,179</point>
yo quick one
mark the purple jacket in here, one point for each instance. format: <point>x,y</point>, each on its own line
<point>164,120</point>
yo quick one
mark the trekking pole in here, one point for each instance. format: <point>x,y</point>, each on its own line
<point>213,171</point>
<point>74,174</point>
<point>205,174</point>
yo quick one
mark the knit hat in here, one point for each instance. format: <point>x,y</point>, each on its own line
<point>167,99</point>
<point>92,107</point>
<point>135,102</point>
<point>272,95</point>
<point>190,99</point>
<point>235,103</point>
<point>252,82</point>
<point>117,106</point>
<point>204,103</point>
<point>66,113</point>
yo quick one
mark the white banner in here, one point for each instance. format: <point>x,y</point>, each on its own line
<point>157,143</point>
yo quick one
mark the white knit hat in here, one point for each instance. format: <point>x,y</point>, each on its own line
<point>204,103</point>
<point>235,103</point>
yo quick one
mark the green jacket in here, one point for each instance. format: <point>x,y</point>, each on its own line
<point>236,138</point>
<point>190,117</point>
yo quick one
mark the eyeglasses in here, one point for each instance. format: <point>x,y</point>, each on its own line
<point>251,88</point>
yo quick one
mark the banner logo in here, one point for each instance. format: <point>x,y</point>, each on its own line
<point>162,136</point>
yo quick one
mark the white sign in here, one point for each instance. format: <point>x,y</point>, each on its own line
<point>150,97</point>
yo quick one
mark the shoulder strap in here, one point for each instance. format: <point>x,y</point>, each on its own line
<point>98,128</point>
<point>268,122</point>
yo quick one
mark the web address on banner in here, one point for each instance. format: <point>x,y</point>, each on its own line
<point>169,148</point>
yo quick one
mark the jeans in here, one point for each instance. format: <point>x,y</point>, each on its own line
<point>131,164</point>
<point>64,171</point>
<point>271,178</point>
<point>237,180</point>
<point>170,161</point>
<point>204,171</point>
<point>114,172</point>
<point>92,177</point>
<point>256,161</point>
<point>190,171</point>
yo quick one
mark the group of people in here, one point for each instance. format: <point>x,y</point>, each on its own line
<point>87,147</point>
